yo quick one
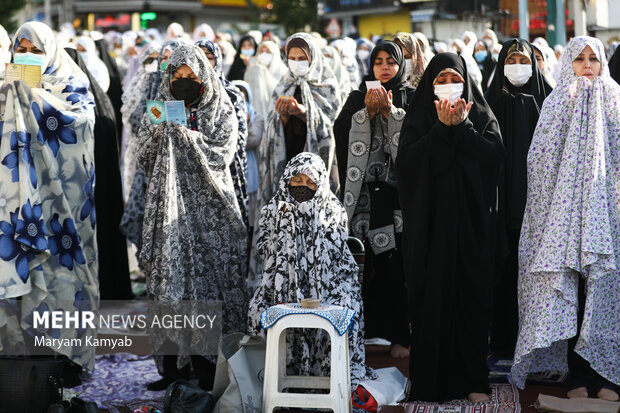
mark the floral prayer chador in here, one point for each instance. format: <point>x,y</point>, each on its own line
<point>48,249</point>
<point>303,246</point>
<point>571,227</point>
<point>193,236</point>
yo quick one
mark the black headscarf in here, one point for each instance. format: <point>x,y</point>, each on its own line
<point>114,282</point>
<point>237,69</point>
<point>488,65</point>
<point>447,177</point>
<point>614,65</point>
<point>402,93</point>
<point>537,86</point>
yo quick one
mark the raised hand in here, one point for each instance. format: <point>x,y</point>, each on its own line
<point>443,111</point>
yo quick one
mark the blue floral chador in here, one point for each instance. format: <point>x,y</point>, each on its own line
<point>48,249</point>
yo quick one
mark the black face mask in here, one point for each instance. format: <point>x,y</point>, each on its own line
<point>148,60</point>
<point>186,89</point>
<point>301,193</point>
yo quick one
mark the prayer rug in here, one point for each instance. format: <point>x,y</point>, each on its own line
<point>504,399</point>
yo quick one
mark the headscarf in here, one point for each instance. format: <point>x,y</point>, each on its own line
<point>491,36</point>
<point>203,32</point>
<point>418,59</point>
<point>340,71</point>
<point>194,239</point>
<point>546,72</point>
<point>153,35</point>
<point>48,248</point>
<point>174,31</point>
<point>487,66</point>
<point>571,227</point>
<point>61,77</point>
<point>237,70</point>
<point>466,52</point>
<point>5,51</point>
<point>426,46</point>
<point>547,52</point>
<point>346,48</point>
<point>263,80</point>
<point>320,95</point>
<point>400,80</point>
<point>305,253</point>
<point>94,64</point>
<point>239,166</point>
<point>366,63</point>
<point>473,39</point>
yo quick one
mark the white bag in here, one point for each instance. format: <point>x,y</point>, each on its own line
<point>389,387</point>
<point>238,386</point>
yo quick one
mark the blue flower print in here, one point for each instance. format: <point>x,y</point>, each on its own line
<point>32,229</point>
<point>53,126</point>
<point>89,189</point>
<point>66,242</point>
<point>77,90</point>
<point>11,249</point>
<point>11,160</point>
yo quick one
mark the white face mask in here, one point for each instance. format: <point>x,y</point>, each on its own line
<point>451,91</point>
<point>363,54</point>
<point>264,58</point>
<point>408,66</point>
<point>517,74</point>
<point>299,68</point>
<point>151,67</point>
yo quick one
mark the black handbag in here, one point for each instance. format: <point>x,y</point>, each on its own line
<point>29,385</point>
<point>185,397</point>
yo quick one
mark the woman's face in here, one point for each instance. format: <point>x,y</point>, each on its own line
<point>166,55</point>
<point>26,46</point>
<point>517,59</point>
<point>303,180</point>
<point>480,48</point>
<point>80,48</point>
<point>184,72</point>
<point>384,67</point>
<point>297,54</point>
<point>264,49</point>
<point>448,76</point>
<point>587,64</point>
<point>247,45</point>
<point>540,60</point>
<point>209,55</point>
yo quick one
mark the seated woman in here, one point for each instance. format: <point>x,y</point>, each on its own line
<point>447,167</point>
<point>48,248</point>
<point>302,238</point>
<point>569,251</point>
<point>194,239</point>
<point>367,132</point>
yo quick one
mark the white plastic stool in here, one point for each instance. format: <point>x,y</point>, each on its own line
<point>339,382</point>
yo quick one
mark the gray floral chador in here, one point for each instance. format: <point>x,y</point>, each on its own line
<point>193,236</point>
<point>303,246</point>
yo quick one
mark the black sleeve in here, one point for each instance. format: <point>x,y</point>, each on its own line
<point>342,127</point>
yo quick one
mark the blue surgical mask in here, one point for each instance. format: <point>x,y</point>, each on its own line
<point>247,52</point>
<point>29,59</point>
<point>495,56</point>
<point>84,55</point>
<point>480,55</point>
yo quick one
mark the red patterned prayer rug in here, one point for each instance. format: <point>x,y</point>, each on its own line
<point>504,399</point>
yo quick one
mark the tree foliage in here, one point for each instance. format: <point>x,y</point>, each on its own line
<point>295,15</point>
<point>7,10</point>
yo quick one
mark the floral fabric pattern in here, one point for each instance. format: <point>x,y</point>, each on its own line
<point>193,236</point>
<point>48,249</point>
<point>303,246</point>
<point>571,226</point>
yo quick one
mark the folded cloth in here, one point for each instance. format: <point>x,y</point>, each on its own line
<point>546,403</point>
<point>341,318</point>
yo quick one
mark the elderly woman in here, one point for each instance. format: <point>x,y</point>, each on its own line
<point>569,251</point>
<point>302,238</point>
<point>448,164</point>
<point>48,248</point>
<point>194,239</point>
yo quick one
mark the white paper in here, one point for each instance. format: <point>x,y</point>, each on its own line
<point>373,84</point>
